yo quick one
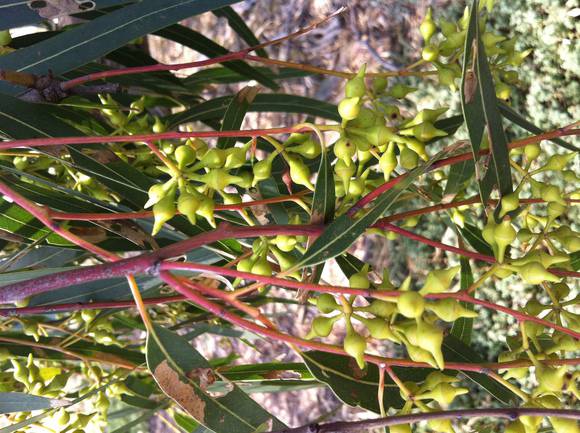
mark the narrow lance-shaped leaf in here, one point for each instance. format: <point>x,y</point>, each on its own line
<point>358,387</point>
<point>344,230</point>
<point>457,351</point>
<point>21,402</point>
<point>96,38</point>
<point>463,326</point>
<point>198,42</point>
<point>239,26</point>
<point>183,374</point>
<point>323,201</point>
<point>481,112</point>
<point>235,114</point>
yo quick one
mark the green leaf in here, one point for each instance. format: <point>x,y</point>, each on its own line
<point>473,235</point>
<point>239,26</point>
<point>515,117</point>
<point>463,327</point>
<point>344,230</point>
<point>179,370</point>
<point>349,264</point>
<point>235,113</point>
<point>98,37</point>
<point>481,112</point>
<point>198,42</point>
<point>459,175</point>
<point>323,202</point>
<point>18,13</point>
<point>227,76</point>
<point>575,260</point>
<point>20,402</point>
<point>263,103</point>
<point>357,387</point>
<point>456,351</point>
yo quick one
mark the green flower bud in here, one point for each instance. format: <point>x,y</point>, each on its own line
<point>156,193</point>
<point>411,304</point>
<point>435,378</point>
<point>359,280</point>
<point>322,326</point>
<point>366,118</point>
<point>299,172</point>
<point>490,40</point>
<point>430,53</point>
<point>426,115</point>
<point>453,42</point>
<point>263,169</point>
<point>378,135</point>
<point>187,204</point>
<point>388,161</point>
<point>355,345</point>
<point>536,273</point>
<point>550,379</point>
<point>102,403</point>
<point>509,203</point>
<point>443,393</point>
<point>409,159</point>
<point>380,308</point>
<point>441,425</point>
<point>184,155</point>
<point>427,27</point>
<point>532,151</point>
<point>559,162</point>
<point>326,303</point>
<point>349,108</point>
<point>503,91</point>
<point>236,156</point>
<point>344,150</point>
<point>399,91</point>
<point>450,310</point>
<point>380,84</point>
<point>355,87</point>
<point>439,281</point>
<point>163,211</point>
<point>218,179</point>
<point>262,267</point>
<point>379,329</point>
<point>356,187</point>
<point>446,76</point>
<point>430,338</point>
<point>5,38</point>
<point>206,209</point>
<point>564,425</point>
<point>20,372</point>
<point>245,265</point>
<point>504,234</point>
<point>424,131</point>
<point>447,27</point>
<point>213,158</point>
<point>551,193</point>
<point>158,127</point>
<point>344,172</point>
<point>285,243</point>
<point>309,149</point>
<point>420,355</point>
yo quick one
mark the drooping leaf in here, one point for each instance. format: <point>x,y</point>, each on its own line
<point>512,115</point>
<point>358,387</point>
<point>226,76</point>
<point>463,326</point>
<point>323,202</point>
<point>100,36</point>
<point>198,42</point>
<point>235,113</point>
<point>482,116</point>
<point>457,351</point>
<point>21,402</point>
<point>349,264</point>
<point>344,230</point>
<point>239,26</point>
<point>263,103</point>
<point>183,374</point>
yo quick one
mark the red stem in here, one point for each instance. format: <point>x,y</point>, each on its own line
<point>561,132</point>
<point>77,306</point>
<point>221,312</point>
<point>378,294</point>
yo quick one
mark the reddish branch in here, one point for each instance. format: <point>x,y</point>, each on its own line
<point>359,426</point>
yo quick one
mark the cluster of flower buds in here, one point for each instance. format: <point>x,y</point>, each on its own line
<point>444,43</point>
<point>406,318</point>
